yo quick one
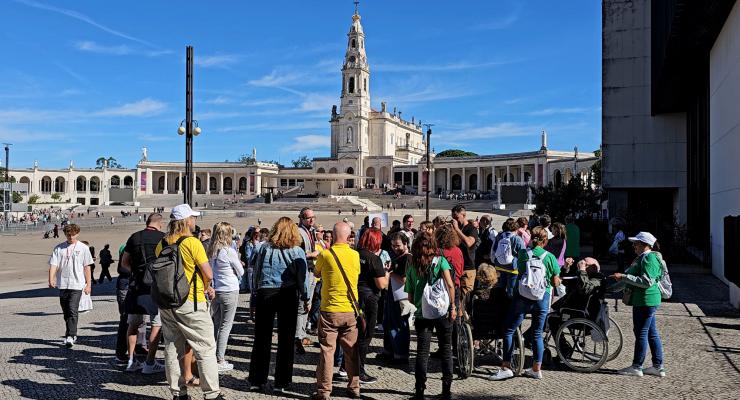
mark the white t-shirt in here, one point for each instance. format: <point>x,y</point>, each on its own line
<point>71,260</point>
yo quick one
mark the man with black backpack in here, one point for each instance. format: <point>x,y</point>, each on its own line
<point>137,255</point>
<point>181,284</point>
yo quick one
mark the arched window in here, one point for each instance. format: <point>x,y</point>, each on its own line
<point>349,183</point>
<point>197,184</point>
<point>320,171</point>
<point>242,184</point>
<point>115,181</point>
<point>333,170</point>
<point>59,185</point>
<point>351,84</point>
<point>212,183</point>
<point>354,44</point>
<point>558,178</point>
<point>81,184</point>
<point>365,85</point>
<point>160,184</point>
<point>473,182</point>
<point>46,184</point>
<point>94,184</point>
<point>128,182</point>
<point>349,134</point>
<point>456,182</point>
<point>227,184</point>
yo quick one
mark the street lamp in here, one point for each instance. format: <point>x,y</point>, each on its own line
<point>7,198</point>
<point>429,168</point>
<point>189,128</point>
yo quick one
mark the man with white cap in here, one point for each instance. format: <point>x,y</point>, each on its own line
<point>641,282</point>
<point>190,324</point>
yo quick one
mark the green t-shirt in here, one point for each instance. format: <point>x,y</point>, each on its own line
<point>551,263</point>
<point>415,284</point>
<point>649,265</point>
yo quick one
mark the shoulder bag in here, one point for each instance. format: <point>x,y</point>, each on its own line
<point>361,323</point>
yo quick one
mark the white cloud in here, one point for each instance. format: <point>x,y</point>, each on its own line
<point>276,79</point>
<point>306,143</point>
<point>142,108</point>
<point>454,66</point>
<point>427,94</point>
<point>500,130</point>
<point>218,100</point>
<point>118,50</point>
<point>84,18</point>
<point>503,22</point>
<point>93,47</point>
<point>266,126</point>
<point>268,101</point>
<point>317,102</point>
<point>217,61</point>
<point>556,110</point>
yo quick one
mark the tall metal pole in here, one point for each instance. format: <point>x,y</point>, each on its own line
<point>188,184</point>
<point>7,194</point>
<point>429,169</point>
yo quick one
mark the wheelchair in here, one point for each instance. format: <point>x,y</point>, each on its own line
<point>483,321</point>
<point>586,337</point>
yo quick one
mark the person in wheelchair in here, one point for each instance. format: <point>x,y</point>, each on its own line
<point>580,285</point>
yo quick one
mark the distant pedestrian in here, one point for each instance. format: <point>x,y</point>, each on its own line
<point>69,271</point>
<point>106,259</point>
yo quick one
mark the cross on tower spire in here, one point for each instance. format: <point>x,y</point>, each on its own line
<point>357,3</point>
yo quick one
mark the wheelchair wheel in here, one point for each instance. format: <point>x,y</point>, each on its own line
<point>517,355</point>
<point>615,339</point>
<point>581,345</point>
<point>465,350</point>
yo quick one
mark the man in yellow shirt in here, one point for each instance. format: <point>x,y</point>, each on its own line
<point>337,322</point>
<point>190,324</point>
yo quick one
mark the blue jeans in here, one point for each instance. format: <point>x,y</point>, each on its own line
<point>646,333</point>
<point>519,308</point>
<point>396,332</point>
<point>507,281</point>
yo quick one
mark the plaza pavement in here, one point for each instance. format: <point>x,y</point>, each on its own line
<point>700,331</point>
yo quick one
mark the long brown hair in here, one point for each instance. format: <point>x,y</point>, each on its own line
<point>446,237</point>
<point>423,252</point>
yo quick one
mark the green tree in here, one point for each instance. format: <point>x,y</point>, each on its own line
<point>112,163</point>
<point>2,177</point>
<point>596,168</point>
<point>33,199</point>
<point>56,196</point>
<point>572,198</point>
<point>302,162</point>
<point>246,159</point>
<point>17,197</point>
<point>456,153</point>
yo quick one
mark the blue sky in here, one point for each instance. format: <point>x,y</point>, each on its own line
<point>84,79</point>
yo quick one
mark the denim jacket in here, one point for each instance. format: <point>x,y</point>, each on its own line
<point>275,268</point>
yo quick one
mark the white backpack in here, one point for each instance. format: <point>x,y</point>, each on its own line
<point>664,282</point>
<point>504,254</point>
<point>532,283</point>
<point>435,300</point>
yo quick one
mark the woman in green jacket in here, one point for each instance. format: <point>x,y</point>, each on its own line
<point>642,279</point>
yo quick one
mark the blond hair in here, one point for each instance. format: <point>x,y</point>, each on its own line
<point>539,237</point>
<point>177,229</point>
<point>221,238</point>
<point>487,275</point>
<point>284,234</point>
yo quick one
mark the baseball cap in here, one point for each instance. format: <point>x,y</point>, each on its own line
<point>645,237</point>
<point>183,211</point>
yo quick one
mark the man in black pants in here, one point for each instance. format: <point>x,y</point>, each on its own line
<point>69,270</point>
<point>106,259</point>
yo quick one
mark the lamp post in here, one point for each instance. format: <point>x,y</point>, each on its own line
<point>7,193</point>
<point>189,128</point>
<point>429,169</point>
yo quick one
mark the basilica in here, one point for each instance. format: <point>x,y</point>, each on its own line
<point>371,149</point>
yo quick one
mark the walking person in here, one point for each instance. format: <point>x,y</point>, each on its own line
<point>190,324</point>
<point>641,279</point>
<point>280,274</point>
<point>306,227</point>
<point>339,270</point>
<point>373,278</point>
<point>138,252</point>
<point>523,305</point>
<point>69,271</point>
<point>106,259</point>
<point>227,271</point>
<point>427,267</point>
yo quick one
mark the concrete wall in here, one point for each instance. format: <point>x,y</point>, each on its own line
<point>640,151</point>
<point>724,139</point>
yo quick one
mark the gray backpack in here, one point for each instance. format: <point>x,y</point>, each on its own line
<point>170,286</point>
<point>532,283</point>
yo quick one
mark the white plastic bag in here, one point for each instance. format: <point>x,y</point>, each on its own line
<point>85,303</point>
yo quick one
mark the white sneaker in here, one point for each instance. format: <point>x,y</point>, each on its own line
<point>530,373</point>
<point>150,369</point>
<point>655,371</point>
<point>69,341</point>
<point>630,371</point>
<point>134,365</point>
<point>225,366</point>
<point>501,374</point>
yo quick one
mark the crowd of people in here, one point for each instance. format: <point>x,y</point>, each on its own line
<point>341,285</point>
